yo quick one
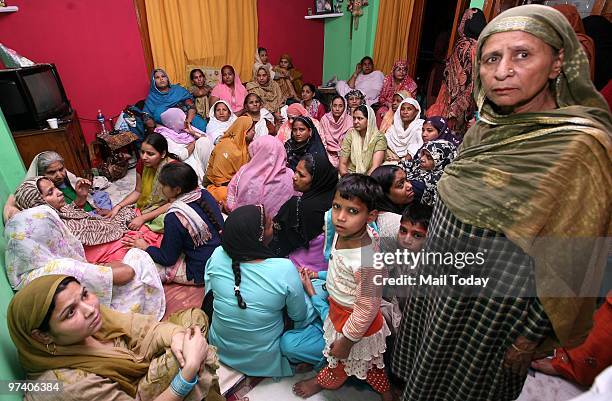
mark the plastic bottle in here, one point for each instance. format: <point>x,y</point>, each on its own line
<point>101,120</point>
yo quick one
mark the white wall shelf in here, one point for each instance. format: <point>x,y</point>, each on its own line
<point>322,16</point>
<point>8,9</point>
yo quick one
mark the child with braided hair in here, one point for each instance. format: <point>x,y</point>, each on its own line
<point>252,291</point>
<point>192,227</point>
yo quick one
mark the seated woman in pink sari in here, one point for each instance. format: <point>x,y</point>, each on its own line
<point>264,180</point>
<point>229,89</point>
<point>334,126</point>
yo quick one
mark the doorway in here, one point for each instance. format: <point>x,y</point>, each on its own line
<point>440,19</point>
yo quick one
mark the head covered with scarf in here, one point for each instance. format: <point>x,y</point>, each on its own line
<point>265,179</point>
<point>405,140</point>
<point>444,132</point>
<point>157,101</point>
<point>312,145</point>
<point>389,87</point>
<point>243,241</point>
<point>231,152</point>
<point>126,367</point>
<point>520,174</point>
<point>301,218</point>
<point>89,229</point>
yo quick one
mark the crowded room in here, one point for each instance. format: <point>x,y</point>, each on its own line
<point>324,200</point>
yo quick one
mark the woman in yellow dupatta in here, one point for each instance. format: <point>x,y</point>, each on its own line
<point>62,333</point>
<point>231,153</point>
<point>531,191</point>
<point>148,194</point>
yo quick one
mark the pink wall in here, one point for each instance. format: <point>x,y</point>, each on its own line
<point>283,29</point>
<point>97,50</point>
<point>94,44</point>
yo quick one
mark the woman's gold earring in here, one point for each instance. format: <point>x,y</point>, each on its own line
<point>52,352</point>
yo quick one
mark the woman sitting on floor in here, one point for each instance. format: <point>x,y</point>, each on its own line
<point>200,91</point>
<point>304,139</point>
<point>230,89</point>
<point>315,108</point>
<point>404,138</point>
<point>228,156</point>
<point>252,290</point>
<point>39,244</point>
<point>398,195</point>
<point>264,120</point>
<point>221,118</point>
<point>335,124</point>
<point>298,226</point>
<point>387,121</point>
<point>89,229</point>
<point>436,128</point>
<point>398,80</point>
<point>51,165</point>
<point>189,144</point>
<point>294,110</point>
<point>163,96</point>
<point>192,227</point>
<point>267,90</point>
<point>148,194</point>
<point>354,99</point>
<point>425,171</point>
<point>265,179</point>
<point>63,334</point>
<point>363,147</point>
<point>288,77</point>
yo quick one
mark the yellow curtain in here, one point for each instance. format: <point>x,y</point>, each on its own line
<point>392,29</point>
<point>202,32</point>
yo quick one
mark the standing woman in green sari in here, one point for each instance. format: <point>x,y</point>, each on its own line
<point>531,190</point>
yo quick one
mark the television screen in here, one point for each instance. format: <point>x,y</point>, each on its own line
<point>44,91</point>
<point>11,101</point>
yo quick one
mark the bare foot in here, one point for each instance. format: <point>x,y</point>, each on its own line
<point>307,388</point>
<point>303,368</point>
<point>544,365</point>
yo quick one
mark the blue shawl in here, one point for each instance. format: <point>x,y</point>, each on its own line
<point>157,102</point>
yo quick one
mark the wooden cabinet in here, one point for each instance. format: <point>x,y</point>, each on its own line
<point>67,140</point>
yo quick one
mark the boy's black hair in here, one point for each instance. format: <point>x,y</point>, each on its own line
<point>360,186</point>
<point>417,213</point>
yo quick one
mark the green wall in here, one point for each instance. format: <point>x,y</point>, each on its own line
<point>477,4</point>
<point>11,174</point>
<point>341,54</point>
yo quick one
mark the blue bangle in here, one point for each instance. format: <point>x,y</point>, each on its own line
<point>182,387</point>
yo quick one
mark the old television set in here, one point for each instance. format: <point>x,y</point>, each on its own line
<point>31,95</point>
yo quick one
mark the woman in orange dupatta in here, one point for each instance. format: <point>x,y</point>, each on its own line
<point>229,155</point>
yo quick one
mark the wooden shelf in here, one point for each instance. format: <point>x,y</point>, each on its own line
<point>322,16</point>
<point>9,9</point>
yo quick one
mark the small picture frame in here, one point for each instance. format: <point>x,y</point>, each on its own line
<point>323,6</point>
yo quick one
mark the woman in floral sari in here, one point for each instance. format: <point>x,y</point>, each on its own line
<point>39,244</point>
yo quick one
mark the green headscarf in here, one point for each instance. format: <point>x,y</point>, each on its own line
<point>544,179</point>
